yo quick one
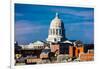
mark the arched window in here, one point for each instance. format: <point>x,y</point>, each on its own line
<point>60,32</point>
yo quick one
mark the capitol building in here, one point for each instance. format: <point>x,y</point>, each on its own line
<point>56,44</point>
<point>56,34</point>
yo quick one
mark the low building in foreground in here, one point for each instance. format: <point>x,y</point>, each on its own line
<point>89,56</point>
<point>76,49</point>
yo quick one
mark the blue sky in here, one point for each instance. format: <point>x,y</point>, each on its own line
<point>32,22</point>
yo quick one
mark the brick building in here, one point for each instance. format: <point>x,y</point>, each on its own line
<point>74,51</point>
<point>87,56</point>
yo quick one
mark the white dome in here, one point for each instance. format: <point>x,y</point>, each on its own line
<point>56,30</point>
<point>56,22</point>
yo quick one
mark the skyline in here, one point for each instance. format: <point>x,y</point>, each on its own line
<point>31,20</point>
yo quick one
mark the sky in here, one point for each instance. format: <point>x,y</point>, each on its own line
<point>32,22</point>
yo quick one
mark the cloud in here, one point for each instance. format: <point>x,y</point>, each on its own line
<point>85,14</point>
<point>27,31</point>
<point>23,27</point>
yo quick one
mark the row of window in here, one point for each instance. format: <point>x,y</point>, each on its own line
<point>38,47</point>
<point>55,32</point>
